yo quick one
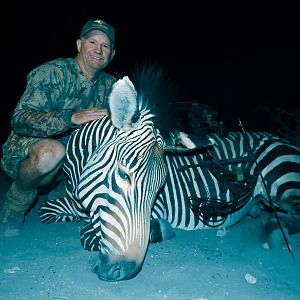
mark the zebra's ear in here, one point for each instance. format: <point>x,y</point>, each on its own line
<point>123,105</point>
<point>184,142</point>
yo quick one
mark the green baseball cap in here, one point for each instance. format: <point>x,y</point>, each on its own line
<point>99,25</point>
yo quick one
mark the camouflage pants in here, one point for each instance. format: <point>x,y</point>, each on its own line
<point>15,150</point>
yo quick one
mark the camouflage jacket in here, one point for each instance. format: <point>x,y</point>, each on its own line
<point>54,90</point>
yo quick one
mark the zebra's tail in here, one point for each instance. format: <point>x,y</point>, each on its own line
<point>61,210</point>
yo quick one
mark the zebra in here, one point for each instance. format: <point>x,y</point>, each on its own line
<point>133,177</point>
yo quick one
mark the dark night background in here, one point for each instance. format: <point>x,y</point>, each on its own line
<point>232,57</point>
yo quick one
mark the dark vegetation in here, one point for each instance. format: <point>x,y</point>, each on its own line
<point>201,119</point>
<point>284,122</point>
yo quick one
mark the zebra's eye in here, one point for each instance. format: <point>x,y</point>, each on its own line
<point>124,173</point>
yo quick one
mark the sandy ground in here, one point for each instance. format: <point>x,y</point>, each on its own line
<point>48,262</point>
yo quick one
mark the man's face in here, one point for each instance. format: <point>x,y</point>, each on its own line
<point>95,50</point>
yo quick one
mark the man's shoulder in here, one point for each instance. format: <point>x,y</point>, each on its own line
<point>57,63</point>
<point>56,66</point>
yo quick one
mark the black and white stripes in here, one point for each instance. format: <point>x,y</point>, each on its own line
<point>188,176</point>
<point>122,172</point>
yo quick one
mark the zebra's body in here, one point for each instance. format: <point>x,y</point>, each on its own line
<point>120,175</point>
<point>189,176</point>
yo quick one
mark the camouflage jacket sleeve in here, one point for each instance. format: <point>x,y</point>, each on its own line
<point>38,113</point>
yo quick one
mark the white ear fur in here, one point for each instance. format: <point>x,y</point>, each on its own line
<point>123,104</point>
<point>184,142</point>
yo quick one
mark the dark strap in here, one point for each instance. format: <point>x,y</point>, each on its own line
<point>214,212</point>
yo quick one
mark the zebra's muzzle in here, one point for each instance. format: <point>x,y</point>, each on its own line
<point>121,270</point>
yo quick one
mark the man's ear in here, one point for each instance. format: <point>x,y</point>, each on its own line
<point>78,44</point>
<point>112,55</point>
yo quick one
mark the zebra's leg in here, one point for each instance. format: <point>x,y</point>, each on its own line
<point>160,230</point>
<point>88,238</point>
<point>61,210</point>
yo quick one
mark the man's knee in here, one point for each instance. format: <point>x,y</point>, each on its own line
<point>46,155</point>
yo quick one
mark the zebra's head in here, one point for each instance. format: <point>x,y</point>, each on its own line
<point>129,169</point>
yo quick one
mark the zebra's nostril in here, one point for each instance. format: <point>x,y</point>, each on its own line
<point>116,273</point>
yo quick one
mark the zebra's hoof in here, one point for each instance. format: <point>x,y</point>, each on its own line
<point>160,230</point>
<point>275,237</point>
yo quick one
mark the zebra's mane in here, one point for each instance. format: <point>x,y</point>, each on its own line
<point>156,92</point>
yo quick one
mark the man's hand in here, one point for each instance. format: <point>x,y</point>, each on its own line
<point>83,116</point>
